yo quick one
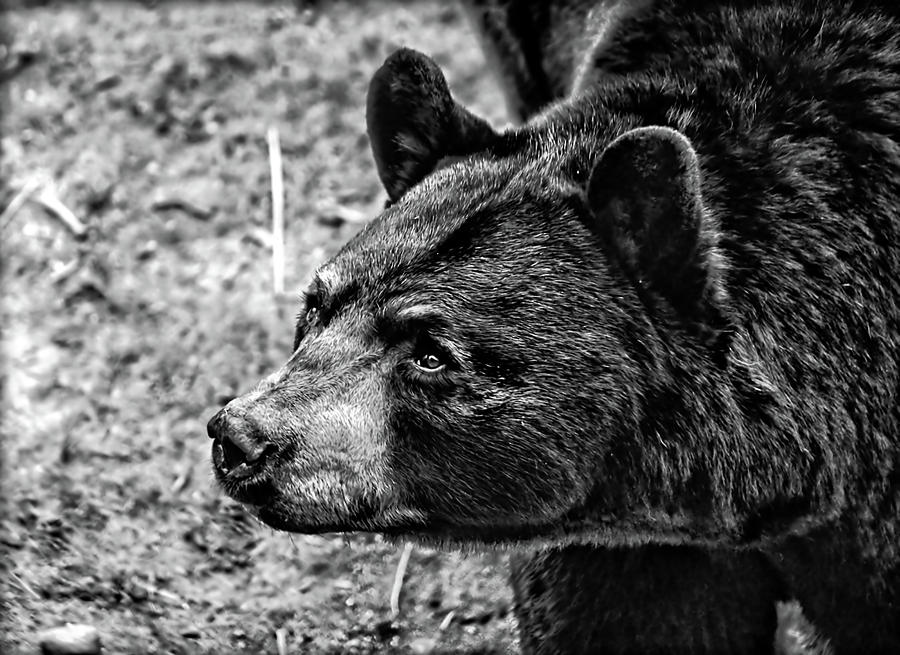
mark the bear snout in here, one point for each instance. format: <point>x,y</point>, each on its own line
<point>240,448</point>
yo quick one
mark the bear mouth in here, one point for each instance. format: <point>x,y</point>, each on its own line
<point>247,484</point>
<point>394,524</point>
<point>262,495</point>
<point>277,515</point>
<point>278,520</point>
<point>284,513</point>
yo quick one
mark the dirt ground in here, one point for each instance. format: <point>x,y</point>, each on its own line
<point>149,123</point>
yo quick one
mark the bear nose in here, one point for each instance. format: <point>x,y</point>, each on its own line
<point>239,447</point>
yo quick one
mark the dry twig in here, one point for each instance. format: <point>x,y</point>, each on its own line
<point>281,641</point>
<point>64,271</point>
<point>447,621</point>
<point>170,203</point>
<point>41,192</point>
<point>398,579</point>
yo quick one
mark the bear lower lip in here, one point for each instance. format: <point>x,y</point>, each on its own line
<point>256,493</point>
<point>276,520</point>
<point>361,519</point>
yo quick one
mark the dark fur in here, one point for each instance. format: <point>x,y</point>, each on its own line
<point>671,355</point>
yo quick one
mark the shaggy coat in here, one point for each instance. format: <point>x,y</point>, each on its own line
<point>653,334</point>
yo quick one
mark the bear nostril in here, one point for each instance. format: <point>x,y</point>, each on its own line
<point>240,456</point>
<point>215,425</point>
<point>232,456</point>
<point>237,441</point>
<point>244,447</point>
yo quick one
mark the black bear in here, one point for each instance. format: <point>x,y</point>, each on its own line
<point>650,338</point>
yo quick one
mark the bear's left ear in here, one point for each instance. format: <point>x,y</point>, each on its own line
<point>647,207</point>
<point>413,121</point>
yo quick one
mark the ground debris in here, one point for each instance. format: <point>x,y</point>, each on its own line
<point>175,203</point>
<point>240,56</point>
<point>70,639</point>
<point>132,104</point>
<point>386,629</point>
<point>423,645</point>
<point>198,199</point>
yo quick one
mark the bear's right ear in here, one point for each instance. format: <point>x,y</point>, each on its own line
<point>645,195</point>
<point>413,122</point>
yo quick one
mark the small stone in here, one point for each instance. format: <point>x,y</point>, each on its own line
<point>422,645</point>
<point>70,639</point>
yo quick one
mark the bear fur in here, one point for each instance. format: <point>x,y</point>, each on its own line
<point>650,338</point>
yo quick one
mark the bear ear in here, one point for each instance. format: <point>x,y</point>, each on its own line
<point>645,197</point>
<point>413,122</point>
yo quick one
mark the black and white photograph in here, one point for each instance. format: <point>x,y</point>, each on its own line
<point>465,327</point>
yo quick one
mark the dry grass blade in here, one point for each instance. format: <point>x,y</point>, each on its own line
<point>276,172</point>
<point>48,199</point>
<point>162,594</point>
<point>18,202</point>
<point>24,585</point>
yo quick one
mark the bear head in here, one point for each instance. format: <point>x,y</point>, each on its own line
<point>472,365</point>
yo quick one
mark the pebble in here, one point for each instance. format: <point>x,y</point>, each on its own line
<point>423,645</point>
<point>70,639</point>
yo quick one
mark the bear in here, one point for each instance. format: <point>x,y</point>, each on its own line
<point>649,339</point>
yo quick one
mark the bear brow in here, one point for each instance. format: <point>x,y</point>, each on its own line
<point>407,321</point>
<point>332,291</point>
<point>410,319</point>
<point>419,314</point>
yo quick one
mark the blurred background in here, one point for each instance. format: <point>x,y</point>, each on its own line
<point>138,298</point>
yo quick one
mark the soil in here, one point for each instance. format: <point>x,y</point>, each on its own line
<point>149,122</point>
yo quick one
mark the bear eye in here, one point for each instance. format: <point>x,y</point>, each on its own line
<point>429,362</point>
<point>312,315</point>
